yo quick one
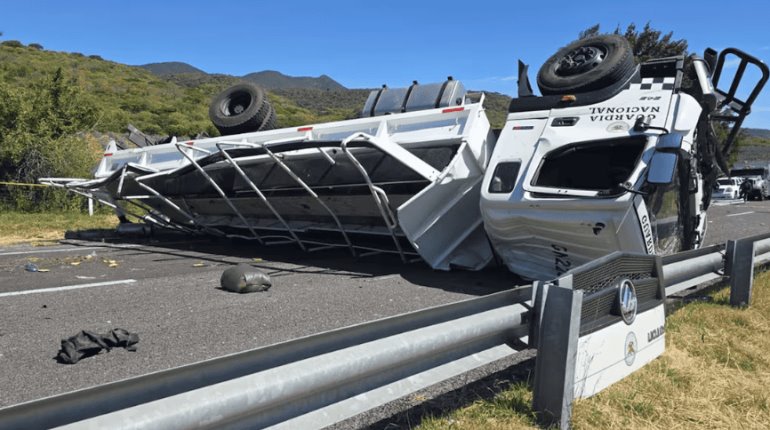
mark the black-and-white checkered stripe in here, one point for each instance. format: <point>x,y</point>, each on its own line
<point>655,84</point>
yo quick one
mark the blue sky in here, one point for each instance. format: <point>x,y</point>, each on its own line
<point>366,44</point>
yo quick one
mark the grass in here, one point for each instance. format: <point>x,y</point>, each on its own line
<point>714,374</point>
<point>40,228</point>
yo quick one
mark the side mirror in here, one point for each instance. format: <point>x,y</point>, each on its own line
<point>662,167</point>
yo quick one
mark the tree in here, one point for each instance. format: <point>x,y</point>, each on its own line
<point>646,44</point>
<point>40,129</point>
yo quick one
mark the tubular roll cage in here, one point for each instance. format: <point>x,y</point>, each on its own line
<point>232,152</point>
<point>718,100</point>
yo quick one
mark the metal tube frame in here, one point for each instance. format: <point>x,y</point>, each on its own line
<point>259,192</point>
<point>174,206</point>
<point>216,187</point>
<point>378,194</point>
<point>299,182</point>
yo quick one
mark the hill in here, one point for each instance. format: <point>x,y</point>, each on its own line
<point>273,80</point>
<point>173,104</point>
<point>751,148</point>
<point>177,103</point>
<point>268,79</point>
<point>171,68</point>
<point>757,132</point>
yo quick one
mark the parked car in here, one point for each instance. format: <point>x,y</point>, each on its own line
<point>727,189</point>
<point>759,175</point>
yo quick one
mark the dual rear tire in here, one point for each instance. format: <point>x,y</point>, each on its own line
<point>242,108</point>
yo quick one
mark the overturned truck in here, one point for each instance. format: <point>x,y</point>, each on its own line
<point>614,156</point>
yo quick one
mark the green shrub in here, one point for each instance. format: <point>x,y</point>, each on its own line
<point>39,129</point>
<point>12,44</point>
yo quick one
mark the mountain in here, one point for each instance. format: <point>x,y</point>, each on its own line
<point>757,132</point>
<point>268,79</point>
<point>171,68</point>
<point>273,80</point>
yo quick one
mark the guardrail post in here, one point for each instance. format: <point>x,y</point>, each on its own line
<point>739,266</point>
<point>558,317</point>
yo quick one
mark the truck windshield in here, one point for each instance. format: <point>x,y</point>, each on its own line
<point>595,165</point>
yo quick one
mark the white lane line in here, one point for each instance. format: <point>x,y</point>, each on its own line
<point>384,277</point>
<point>742,213</point>
<point>42,250</point>
<point>68,287</point>
<point>46,251</point>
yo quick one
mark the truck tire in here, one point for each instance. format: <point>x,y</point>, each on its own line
<point>270,121</point>
<point>587,65</point>
<point>241,108</point>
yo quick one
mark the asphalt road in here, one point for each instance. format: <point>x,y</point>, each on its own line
<point>167,292</point>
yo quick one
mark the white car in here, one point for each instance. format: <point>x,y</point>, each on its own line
<point>727,189</point>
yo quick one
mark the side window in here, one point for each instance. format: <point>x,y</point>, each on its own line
<point>504,177</point>
<point>594,165</point>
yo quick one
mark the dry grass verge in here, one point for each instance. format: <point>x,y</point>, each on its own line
<point>20,227</point>
<point>714,374</point>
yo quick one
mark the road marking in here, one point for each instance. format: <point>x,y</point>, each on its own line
<point>67,288</point>
<point>44,251</point>
<point>742,213</point>
<point>727,202</point>
<point>384,277</point>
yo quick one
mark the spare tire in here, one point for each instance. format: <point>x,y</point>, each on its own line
<point>241,108</point>
<point>587,65</point>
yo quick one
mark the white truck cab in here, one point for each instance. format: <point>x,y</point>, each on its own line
<point>585,171</point>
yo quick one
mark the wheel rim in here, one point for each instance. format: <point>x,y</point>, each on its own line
<point>581,60</point>
<point>236,104</point>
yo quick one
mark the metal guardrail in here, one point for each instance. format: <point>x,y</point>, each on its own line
<point>319,380</point>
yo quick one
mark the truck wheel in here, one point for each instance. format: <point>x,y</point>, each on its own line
<point>587,65</point>
<point>270,121</point>
<point>239,109</point>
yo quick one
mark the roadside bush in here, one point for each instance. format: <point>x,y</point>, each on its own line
<point>38,138</point>
<point>36,46</point>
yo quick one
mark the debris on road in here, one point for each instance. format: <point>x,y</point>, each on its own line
<point>245,279</point>
<point>31,267</point>
<point>86,344</point>
<point>199,264</point>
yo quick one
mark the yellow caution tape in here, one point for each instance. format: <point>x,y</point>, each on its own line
<point>20,184</point>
